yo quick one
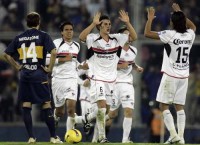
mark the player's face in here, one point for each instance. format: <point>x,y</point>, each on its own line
<point>105,26</point>
<point>67,32</point>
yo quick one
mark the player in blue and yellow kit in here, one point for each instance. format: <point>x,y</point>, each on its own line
<point>27,53</point>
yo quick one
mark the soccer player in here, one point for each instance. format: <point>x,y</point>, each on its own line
<point>175,68</point>
<point>64,81</point>
<point>104,49</point>
<point>124,91</point>
<point>30,49</point>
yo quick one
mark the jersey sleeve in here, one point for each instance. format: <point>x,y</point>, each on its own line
<point>192,33</point>
<point>166,35</point>
<point>48,44</point>
<point>90,39</point>
<point>121,38</point>
<point>12,48</point>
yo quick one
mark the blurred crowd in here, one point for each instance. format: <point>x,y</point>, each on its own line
<point>80,12</point>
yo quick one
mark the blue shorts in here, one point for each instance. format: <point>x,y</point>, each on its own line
<point>36,93</point>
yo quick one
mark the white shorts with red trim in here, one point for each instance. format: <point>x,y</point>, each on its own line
<point>172,90</point>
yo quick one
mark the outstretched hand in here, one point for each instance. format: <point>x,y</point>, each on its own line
<point>176,7</point>
<point>151,13</point>
<point>124,16</point>
<point>96,18</point>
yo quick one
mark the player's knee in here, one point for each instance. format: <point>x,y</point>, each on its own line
<point>46,105</point>
<point>128,112</point>
<point>113,114</point>
<point>70,111</point>
<point>60,113</point>
<point>26,105</point>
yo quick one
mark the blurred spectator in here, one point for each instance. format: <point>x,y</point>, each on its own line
<point>156,124</point>
<point>11,21</point>
<point>3,12</point>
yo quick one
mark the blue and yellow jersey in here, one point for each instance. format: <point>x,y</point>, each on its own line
<point>30,49</point>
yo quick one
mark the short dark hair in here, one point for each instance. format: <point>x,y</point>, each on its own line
<point>62,25</point>
<point>102,17</point>
<point>122,29</point>
<point>33,19</point>
<point>179,21</point>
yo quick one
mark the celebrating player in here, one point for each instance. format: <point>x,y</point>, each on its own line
<point>124,91</point>
<point>64,81</point>
<point>105,49</point>
<point>175,68</point>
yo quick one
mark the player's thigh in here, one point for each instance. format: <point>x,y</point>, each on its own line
<point>97,91</point>
<point>127,95</point>
<point>109,91</point>
<point>167,89</point>
<point>115,100</point>
<point>36,93</point>
<point>63,89</point>
<point>180,95</point>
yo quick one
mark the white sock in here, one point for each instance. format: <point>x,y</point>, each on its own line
<point>127,125</point>
<point>79,119</point>
<point>101,122</point>
<point>55,116</point>
<point>70,123</point>
<point>92,115</point>
<point>169,122</point>
<point>107,117</point>
<point>95,135</point>
<point>181,122</point>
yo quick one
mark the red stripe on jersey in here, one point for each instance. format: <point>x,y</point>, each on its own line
<point>174,76</point>
<point>122,61</point>
<point>107,50</point>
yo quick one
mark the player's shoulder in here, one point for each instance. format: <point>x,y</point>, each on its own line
<point>76,43</point>
<point>58,40</point>
<point>191,31</point>
<point>93,35</point>
<point>167,32</point>
<point>133,49</point>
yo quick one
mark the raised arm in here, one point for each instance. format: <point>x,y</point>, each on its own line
<point>86,31</point>
<point>189,23</point>
<point>125,18</point>
<point>147,31</point>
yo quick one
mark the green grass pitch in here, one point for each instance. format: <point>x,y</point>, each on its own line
<point>47,143</point>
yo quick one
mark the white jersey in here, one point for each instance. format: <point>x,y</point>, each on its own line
<point>125,75</point>
<point>104,55</point>
<point>176,52</point>
<point>67,69</point>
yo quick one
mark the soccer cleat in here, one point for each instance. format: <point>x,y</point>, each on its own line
<point>173,140</point>
<point>127,141</point>
<point>104,140</point>
<point>55,140</point>
<point>86,125</point>
<point>182,141</point>
<point>31,140</point>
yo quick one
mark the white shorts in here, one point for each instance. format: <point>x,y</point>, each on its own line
<point>87,107</point>
<point>124,94</point>
<point>101,91</point>
<point>63,89</point>
<point>172,90</point>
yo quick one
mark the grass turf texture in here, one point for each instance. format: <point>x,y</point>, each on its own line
<point>81,143</point>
